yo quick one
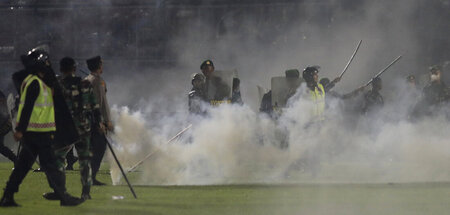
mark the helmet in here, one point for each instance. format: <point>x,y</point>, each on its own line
<point>309,72</point>
<point>206,63</point>
<point>67,64</point>
<point>37,57</point>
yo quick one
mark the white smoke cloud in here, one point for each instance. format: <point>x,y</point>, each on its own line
<point>234,144</point>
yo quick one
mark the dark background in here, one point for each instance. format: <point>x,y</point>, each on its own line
<point>138,33</point>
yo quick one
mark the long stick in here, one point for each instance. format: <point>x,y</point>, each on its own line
<point>351,59</point>
<point>151,153</point>
<point>120,167</point>
<point>384,70</point>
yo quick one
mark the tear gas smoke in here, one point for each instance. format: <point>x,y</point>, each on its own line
<point>235,144</point>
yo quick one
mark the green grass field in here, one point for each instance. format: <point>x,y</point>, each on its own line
<point>421,198</point>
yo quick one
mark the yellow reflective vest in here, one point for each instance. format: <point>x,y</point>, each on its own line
<point>43,115</point>
<point>318,98</point>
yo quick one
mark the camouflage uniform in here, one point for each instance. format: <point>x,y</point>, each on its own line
<point>85,111</point>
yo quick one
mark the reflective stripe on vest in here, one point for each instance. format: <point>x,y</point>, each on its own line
<point>318,99</point>
<point>43,114</point>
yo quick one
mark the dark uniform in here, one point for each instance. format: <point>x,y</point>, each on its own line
<point>217,91</point>
<point>5,128</point>
<point>266,103</point>
<point>197,95</point>
<point>37,123</point>
<point>236,97</point>
<point>434,95</point>
<point>373,99</point>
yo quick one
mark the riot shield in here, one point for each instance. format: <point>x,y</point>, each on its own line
<point>283,89</point>
<point>219,86</point>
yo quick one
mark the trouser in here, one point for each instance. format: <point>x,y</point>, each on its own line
<point>5,151</point>
<point>70,157</point>
<point>34,144</point>
<point>98,150</point>
<point>84,154</point>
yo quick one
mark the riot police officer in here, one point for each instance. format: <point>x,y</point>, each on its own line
<point>36,129</point>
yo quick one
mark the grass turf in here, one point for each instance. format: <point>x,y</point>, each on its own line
<point>422,198</point>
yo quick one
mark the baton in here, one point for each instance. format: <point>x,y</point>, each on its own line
<point>151,153</point>
<point>384,70</point>
<point>351,59</point>
<point>120,166</point>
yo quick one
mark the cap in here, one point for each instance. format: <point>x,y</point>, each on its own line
<point>206,63</point>
<point>94,63</point>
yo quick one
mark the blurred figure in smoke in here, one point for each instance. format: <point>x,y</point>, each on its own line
<point>316,91</point>
<point>98,138</point>
<point>197,95</point>
<point>411,80</point>
<point>5,128</point>
<point>266,103</point>
<point>292,79</point>
<point>216,89</point>
<point>236,94</point>
<point>372,99</point>
<point>331,94</point>
<point>434,95</point>
<point>327,85</point>
<point>410,95</point>
<point>292,83</point>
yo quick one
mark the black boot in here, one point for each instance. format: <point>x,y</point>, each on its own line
<point>98,183</point>
<point>85,193</point>
<point>51,196</point>
<point>68,200</point>
<point>8,200</point>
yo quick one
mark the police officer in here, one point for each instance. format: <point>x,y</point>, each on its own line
<point>217,92</point>
<point>85,112</point>
<point>434,95</point>
<point>98,138</point>
<point>372,99</point>
<point>316,91</point>
<point>5,128</point>
<point>197,94</point>
<point>36,129</point>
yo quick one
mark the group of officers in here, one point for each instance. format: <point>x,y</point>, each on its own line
<point>58,113</point>
<point>54,115</point>
<point>210,88</point>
